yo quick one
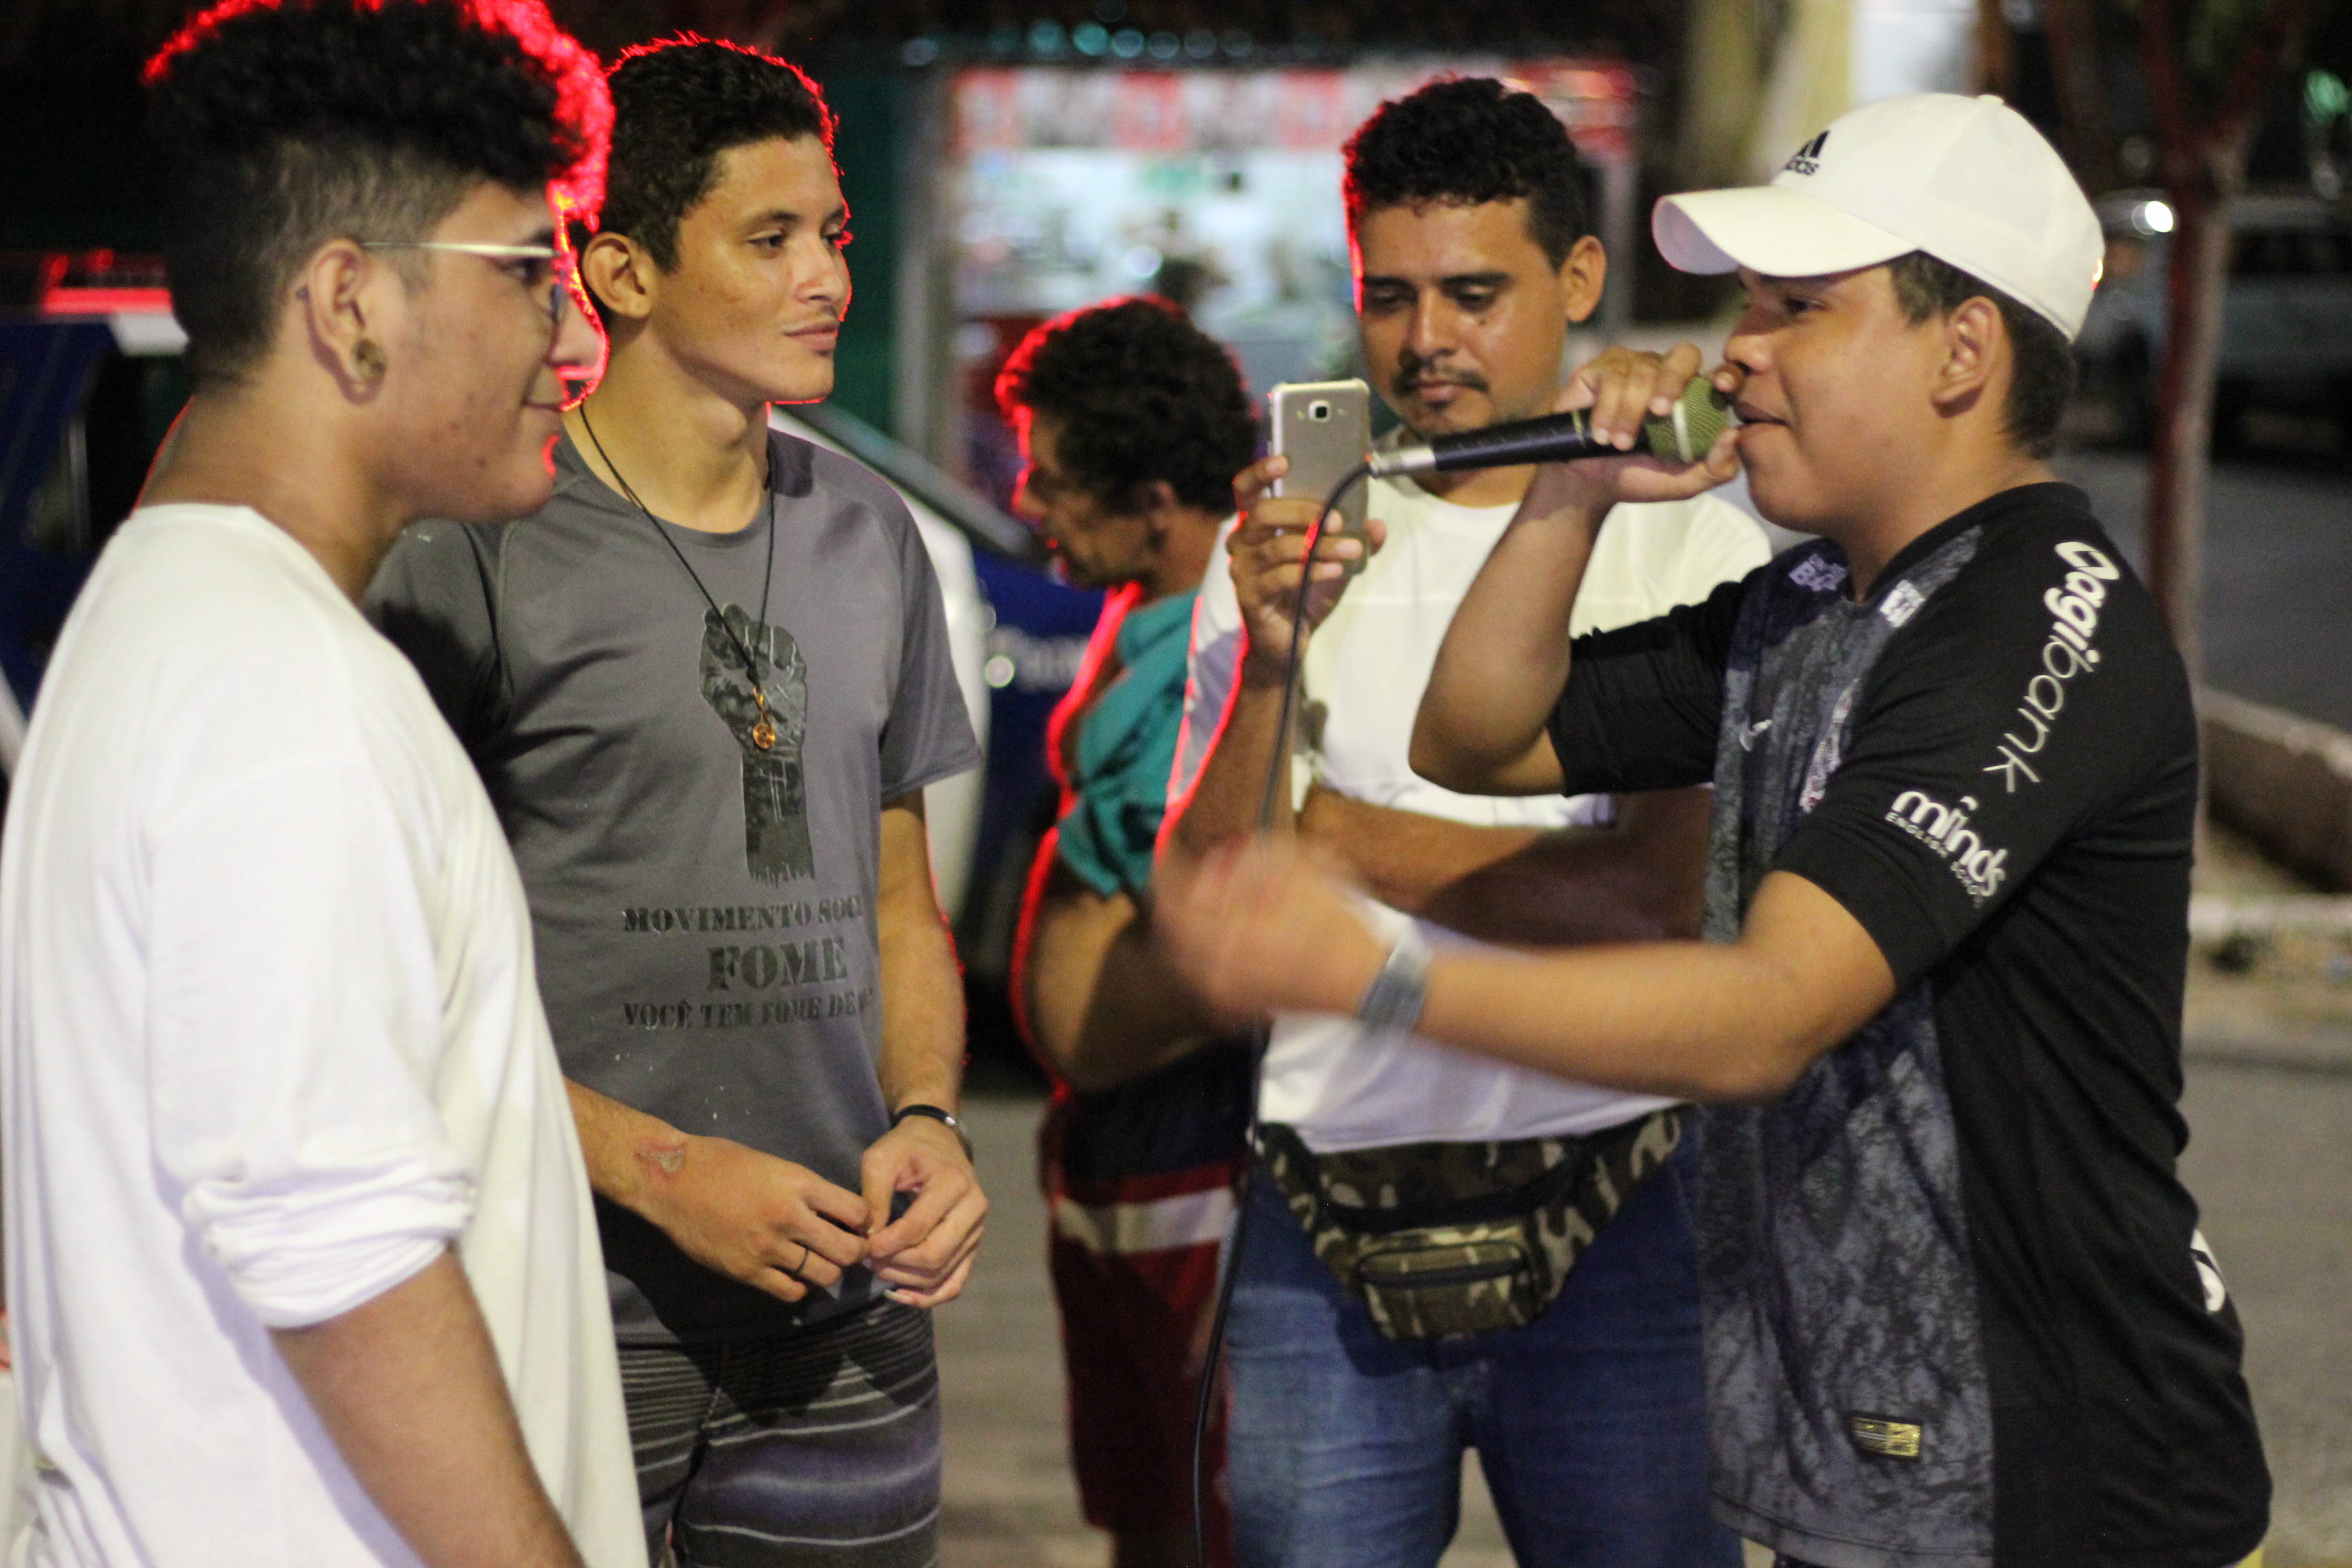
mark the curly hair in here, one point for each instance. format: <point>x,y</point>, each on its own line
<point>1140,394</point>
<point>286,123</point>
<point>1467,141</point>
<point>2041,372</point>
<point>676,106</point>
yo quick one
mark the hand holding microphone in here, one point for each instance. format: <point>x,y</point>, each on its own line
<point>1625,405</point>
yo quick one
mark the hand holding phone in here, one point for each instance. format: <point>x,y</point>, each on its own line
<point>1325,429</point>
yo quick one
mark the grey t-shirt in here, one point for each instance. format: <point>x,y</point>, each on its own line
<point>703,908</point>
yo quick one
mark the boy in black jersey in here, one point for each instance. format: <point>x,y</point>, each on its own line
<point>1957,1308</point>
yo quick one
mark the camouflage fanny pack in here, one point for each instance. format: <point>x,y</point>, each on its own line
<point>1458,1238</point>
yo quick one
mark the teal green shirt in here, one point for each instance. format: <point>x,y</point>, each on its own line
<point>1125,749</point>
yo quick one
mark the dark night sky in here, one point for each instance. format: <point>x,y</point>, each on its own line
<point>70,34</point>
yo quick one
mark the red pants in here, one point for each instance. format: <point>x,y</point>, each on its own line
<point>1134,1264</point>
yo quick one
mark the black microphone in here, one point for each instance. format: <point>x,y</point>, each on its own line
<point>1682,435</point>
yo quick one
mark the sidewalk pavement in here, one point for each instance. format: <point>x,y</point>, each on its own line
<point>1010,1502</point>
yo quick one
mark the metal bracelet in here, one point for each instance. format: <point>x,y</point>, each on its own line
<point>1393,1001</point>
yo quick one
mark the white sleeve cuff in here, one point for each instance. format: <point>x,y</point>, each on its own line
<point>300,1251</point>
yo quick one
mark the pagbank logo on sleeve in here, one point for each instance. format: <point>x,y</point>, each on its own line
<point>2073,606</point>
<point>1945,830</point>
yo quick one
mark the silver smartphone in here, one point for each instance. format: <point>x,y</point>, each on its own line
<point>1325,428</point>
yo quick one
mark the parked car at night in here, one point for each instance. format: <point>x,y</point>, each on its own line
<point>2286,319</point>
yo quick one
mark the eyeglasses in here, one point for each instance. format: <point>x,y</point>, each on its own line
<point>555,269</point>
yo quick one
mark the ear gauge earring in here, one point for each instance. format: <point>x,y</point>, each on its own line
<point>369,359</point>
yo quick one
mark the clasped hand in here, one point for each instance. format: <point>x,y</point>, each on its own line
<point>781,1228</point>
<point>925,1254</point>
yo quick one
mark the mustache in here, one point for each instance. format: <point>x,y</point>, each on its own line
<point>1412,373</point>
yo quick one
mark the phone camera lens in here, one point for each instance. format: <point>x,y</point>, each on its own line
<point>1318,412</point>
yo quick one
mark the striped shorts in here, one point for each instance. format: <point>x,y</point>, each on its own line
<point>815,1447</point>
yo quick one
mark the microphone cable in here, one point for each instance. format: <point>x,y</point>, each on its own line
<point>1277,778</point>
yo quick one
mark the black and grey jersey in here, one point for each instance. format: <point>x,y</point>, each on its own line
<point>1957,1308</point>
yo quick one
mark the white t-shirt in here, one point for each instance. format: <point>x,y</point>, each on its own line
<point>271,1041</point>
<point>1341,1086</point>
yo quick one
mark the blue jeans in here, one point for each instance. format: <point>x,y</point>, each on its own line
<point>1345,1449</point>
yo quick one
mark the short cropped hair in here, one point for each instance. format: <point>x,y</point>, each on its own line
<point>676,106</point>
<point>283,124</point>
<point>1140,394</point>
<point>2041,379</point>
<point>1465,142</point>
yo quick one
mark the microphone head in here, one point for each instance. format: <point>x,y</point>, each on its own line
<point>1685,434</point>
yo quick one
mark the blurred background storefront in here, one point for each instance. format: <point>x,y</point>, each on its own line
<point>1216,187</point>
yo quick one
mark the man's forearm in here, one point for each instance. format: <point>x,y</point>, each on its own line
<point>1405,858</point>
<point>408,1388</point>
<point>1226,801</point>
<point>1691,1020</point>
<point>1504,656</point>
<point>923,988</point>
<point>1643,878</point>
<point>922,1015</point>
<point>627,1152</point>
<point>1682,1019</point>
<point>1102,1004</point>
<point>1638,880</point>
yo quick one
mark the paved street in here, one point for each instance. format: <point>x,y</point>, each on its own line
<point>2270,1162</point>
<point>1010,1502</point>
<point>2278,621</point>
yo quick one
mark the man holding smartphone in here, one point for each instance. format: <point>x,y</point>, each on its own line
<point>1352,1401</point>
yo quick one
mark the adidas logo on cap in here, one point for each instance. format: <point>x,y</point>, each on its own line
<point>1806,160</point>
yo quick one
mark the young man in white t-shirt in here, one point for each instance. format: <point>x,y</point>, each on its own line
<point>1352,1408</point>
<point>301,1250</point>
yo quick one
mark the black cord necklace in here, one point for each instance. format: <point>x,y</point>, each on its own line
<point>763,734</point>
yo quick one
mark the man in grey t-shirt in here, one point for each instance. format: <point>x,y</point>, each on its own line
<point>706,685</point>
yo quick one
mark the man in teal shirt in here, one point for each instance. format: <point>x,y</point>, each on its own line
<point>1132,424</point>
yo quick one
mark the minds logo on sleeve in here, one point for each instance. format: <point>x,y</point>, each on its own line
<point>2073,606</point>
<point>1945,830</point>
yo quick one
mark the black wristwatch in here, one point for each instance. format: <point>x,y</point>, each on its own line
<point>936,1114</point>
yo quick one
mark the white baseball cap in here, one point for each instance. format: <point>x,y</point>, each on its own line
<point>1967,180</point>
